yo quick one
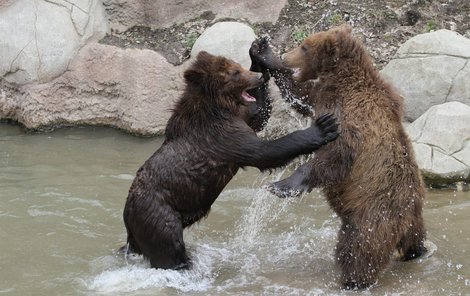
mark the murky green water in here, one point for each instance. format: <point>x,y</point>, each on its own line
<point>61,200</point>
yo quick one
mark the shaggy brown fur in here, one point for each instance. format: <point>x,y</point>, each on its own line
<point>369,174</point>
<point>208,138</point>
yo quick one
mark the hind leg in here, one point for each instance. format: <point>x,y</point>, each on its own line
<point>411,245</point>
<point>157,231</point>
<point>164,245</point>
<point>131,247</point>
<point>363,252</point>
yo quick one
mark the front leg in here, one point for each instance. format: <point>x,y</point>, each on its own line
<point>260,112</point>
<point>331,165</point>
<point>295,184</point>
<point>295,93</point>
<point>241,146</point>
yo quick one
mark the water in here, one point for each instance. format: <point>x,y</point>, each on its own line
<point>61,201</point>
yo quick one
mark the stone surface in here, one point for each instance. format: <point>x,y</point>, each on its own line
<point>431,69</point>
<point>229,39</point>
<point>441,140</point>
<point>130,89</point>
<point>164,13</point>
<point>39,38</point>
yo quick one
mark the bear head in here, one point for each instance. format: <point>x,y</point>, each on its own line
<point>318,54</point>
<point>219,78</point>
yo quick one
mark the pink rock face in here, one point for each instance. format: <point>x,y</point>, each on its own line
<point>127,88</point>
<point>5,3</point>
<point>163,13</point>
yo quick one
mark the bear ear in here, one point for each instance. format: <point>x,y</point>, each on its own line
<point>193,76</point>
<point>204,57</point>
<point>330,47</point>
<point>346,29</point>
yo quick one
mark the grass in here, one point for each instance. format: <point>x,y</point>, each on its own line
<point>299,35</point>
<point>431,26</point>
<point>336,19</point>
<point>191,39</point>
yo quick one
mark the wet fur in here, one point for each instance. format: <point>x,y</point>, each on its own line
<point>369,174</point>
<point>209,136</point>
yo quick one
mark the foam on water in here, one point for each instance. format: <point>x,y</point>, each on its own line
<point>250,252</point>
<point>137,274</point>
<point>261,251</point>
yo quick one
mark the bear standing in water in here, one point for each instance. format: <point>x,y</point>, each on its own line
<point>209,136</point>
<point>369,174</point>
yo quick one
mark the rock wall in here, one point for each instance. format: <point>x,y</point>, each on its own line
<point>53,72</point>
<point>164,13</point>
<point>431,69</point>
<point>40,38</point>
<point>95,90</point>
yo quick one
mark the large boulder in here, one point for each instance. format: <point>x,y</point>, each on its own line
<point>164,13</point>
<point>39,38</point>
<point>131,89</point>
<point>229,39</point>
<point>431,69</point>
<point>441,140</point>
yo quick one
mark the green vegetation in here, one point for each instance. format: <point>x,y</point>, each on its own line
<point>431,26</point>
<point>388,37</point>
<point>336,19</point>
<point>299,34</point>
<point>191,39</point>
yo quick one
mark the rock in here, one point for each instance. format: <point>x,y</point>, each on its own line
<point>164,13</point>
<point>441,140</point>
<point>431,69</point>
<point>40,38</point>
<point>229,39</point>
<point>130,89</point>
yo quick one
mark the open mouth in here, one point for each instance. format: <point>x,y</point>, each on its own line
<point>247,97</point>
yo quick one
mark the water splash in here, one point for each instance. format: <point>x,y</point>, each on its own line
<point>136,274</point>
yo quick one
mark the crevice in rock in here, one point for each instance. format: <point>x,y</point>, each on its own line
<point>421,131</point>
<point>453,80</point>
<point>432,158</point>
<point>464,164</point>
<point>78,7</point>
<point>464,145</point>
<point>417,55</point>
<point>36,36</point>
<point>56,4</point>
<point>75,25</point>
<point>10,71</point>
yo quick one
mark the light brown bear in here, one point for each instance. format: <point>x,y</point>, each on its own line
<point>369,174</point>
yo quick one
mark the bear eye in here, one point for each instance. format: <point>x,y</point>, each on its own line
<point>304,48</point>
<point>236,73</point>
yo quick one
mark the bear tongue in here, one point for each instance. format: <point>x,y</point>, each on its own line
<point>247,97</point>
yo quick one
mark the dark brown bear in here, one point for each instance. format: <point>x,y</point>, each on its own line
<point>207,140</point>
<point>369,174</point>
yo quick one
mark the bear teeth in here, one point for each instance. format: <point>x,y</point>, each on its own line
<point>297,72</point>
